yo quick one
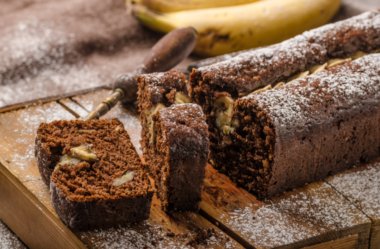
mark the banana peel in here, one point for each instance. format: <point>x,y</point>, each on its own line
<point>229,29</point>
<point>165,6</point>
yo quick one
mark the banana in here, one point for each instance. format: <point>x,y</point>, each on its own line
<point>229,29</point>
<point>179,5</point>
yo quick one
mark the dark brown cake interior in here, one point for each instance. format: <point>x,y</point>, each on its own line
<point>245,154</point>
<point>256,137</point>
<point>93,179</point>
<point>177,155</point>
<point>152,92</point>
<point>160,88</point>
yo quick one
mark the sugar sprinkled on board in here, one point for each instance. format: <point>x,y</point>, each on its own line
<point>147,234</point>
<point>128,117</point>
<point>131,123</point>
<point>8,239</point>
<point>20,152</point>
<point>64,78</point>
<point>294,217</point>
<point>142,235</point>
<point>361,186</point>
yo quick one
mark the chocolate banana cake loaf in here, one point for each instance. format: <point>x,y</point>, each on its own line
<point>266,152</point>
<point>249,71</point>
<point>174,140</point>
<point>94,173</point>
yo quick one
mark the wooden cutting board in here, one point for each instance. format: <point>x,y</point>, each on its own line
<point>318,215</point>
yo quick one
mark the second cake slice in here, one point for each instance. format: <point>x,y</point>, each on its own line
<point>174,140</point>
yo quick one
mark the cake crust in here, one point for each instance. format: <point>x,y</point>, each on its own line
<point>183,133</point>
<point>43,154</point>
<point>246,72</point>
<point>89,215</point>
<point>322,124</point>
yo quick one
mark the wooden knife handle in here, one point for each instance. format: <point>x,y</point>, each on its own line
<point>164,55</point>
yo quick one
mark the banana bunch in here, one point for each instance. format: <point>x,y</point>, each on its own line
<point>224,30</point>
<point>179,5</point>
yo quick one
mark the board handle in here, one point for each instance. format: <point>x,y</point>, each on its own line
<point>164,55</point>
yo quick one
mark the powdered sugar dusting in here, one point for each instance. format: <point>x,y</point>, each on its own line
<point>190,120</point>
<point>363,21</point>
<point>38,58</point>
<point>91,100</point>
<point>126,237</point>
<point>154,78</point>
<point>298,102</point>
<point>42,192</point>
<point>216,59</point>
<point>74,106</point>
<point>32,45</point>
<point>294,217</point>
<point>259,56</point>
<point>255,68</point>
<point>361,186</point>
<point>8,239</point>
<point>183,111</point>
<point>63,78</point>
<point>157,85</point>
<point>150,234</point>
<point>264,66</point>
<point>131,122</point>
<point>18,129</point>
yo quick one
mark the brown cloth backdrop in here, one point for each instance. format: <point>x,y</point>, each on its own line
<point>52,47</point>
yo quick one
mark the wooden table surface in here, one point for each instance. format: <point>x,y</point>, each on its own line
<point>361,186</point>
<point>332,213</point>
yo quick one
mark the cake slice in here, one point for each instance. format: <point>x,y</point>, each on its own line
<point>174,140</point>
<point>268,151</point>
<point>94,173</point>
